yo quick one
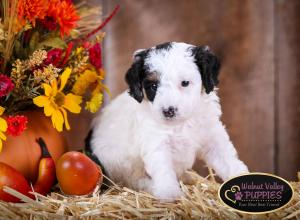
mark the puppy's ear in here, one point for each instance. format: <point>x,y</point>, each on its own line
<point>208,65</point>
<point>136,74</point>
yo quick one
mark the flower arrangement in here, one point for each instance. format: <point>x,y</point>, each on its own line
<point>50,58</point>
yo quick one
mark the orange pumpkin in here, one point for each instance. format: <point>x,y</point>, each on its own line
<point>23,152</point>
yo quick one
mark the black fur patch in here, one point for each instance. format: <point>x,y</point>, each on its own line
<point>88,149</point>
<point>208,65</point>
<point>89,152</point>
<point>136,74</point>
<point>164,46</point>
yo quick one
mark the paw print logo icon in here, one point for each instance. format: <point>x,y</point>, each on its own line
<point>238,196</point>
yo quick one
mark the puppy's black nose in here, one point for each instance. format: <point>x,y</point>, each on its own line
<point>169,112</point>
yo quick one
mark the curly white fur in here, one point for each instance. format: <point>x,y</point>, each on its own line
<point>140,148</point>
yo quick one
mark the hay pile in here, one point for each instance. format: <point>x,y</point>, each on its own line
<point>200,201</point>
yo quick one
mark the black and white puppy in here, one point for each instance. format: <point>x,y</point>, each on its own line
<point>148,136</point>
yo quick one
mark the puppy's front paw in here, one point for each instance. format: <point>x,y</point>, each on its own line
<point>237,169</point>
<point>167,192</point>
<point>241,169</point>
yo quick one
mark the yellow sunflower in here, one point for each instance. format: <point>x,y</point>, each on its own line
<point>92,79</point>
<point>55,102</point>
<point>96,100</point>
<point>3,127</point>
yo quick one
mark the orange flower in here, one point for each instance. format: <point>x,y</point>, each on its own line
<point>64,13</point>
<point>32,10</point>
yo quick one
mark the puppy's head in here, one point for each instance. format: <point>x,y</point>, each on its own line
<point>172,77</point>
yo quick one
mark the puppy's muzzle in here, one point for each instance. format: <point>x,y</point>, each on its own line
<point>170,112</point>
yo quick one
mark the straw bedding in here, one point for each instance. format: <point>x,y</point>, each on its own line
<point>200,202</point>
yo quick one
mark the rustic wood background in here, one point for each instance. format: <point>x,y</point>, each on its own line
<point>260,51</point>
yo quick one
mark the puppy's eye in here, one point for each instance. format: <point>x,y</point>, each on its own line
<point>185,83</point>
<point>153,86</point>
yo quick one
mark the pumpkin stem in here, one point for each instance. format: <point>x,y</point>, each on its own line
<point>43,146</point>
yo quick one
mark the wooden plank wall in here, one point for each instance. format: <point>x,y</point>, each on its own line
<point>287,63</point>
<point>257,43</point>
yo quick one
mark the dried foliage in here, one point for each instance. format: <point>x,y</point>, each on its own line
<point>200,201</point>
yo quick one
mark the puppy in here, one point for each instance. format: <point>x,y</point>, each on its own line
<point>148,136</point>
